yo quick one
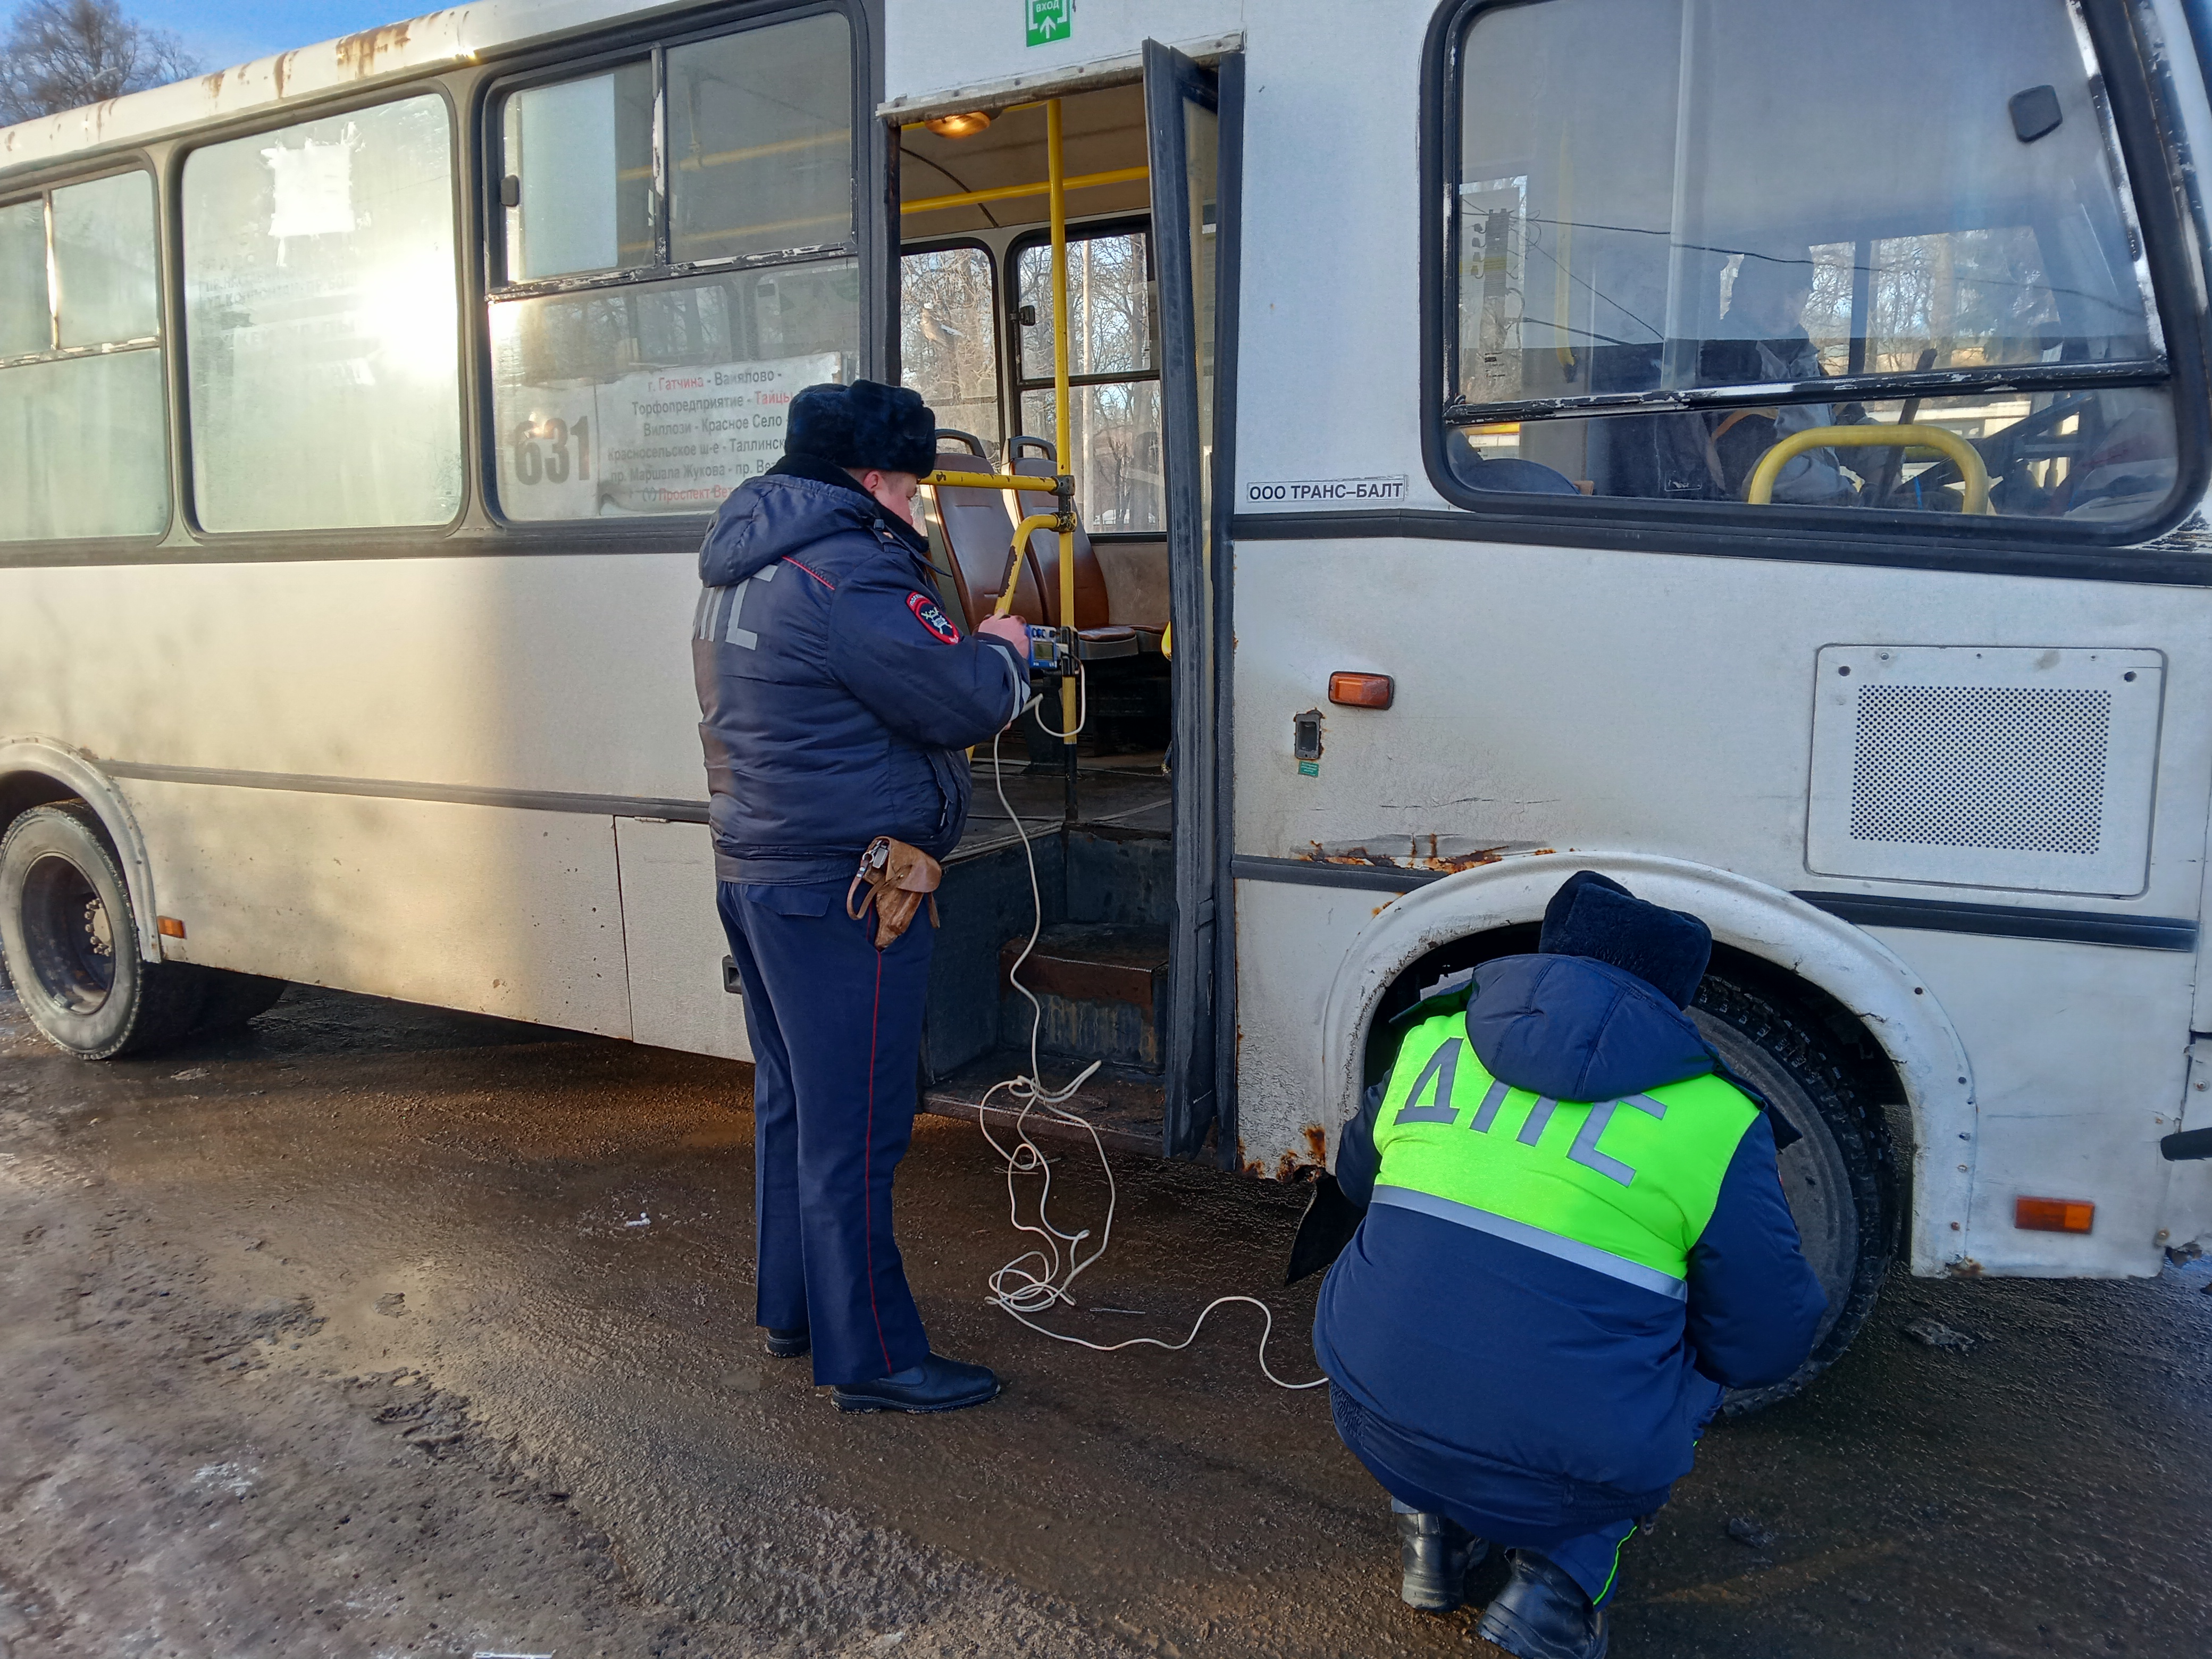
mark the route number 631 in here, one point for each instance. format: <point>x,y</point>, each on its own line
<point>542,450</point>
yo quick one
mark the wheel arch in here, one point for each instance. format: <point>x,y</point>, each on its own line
<point>1868,980</point>
<point>40,771</point>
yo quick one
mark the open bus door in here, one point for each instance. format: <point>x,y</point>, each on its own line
<point>1193,152</point>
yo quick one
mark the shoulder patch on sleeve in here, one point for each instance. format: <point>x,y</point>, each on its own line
<point>931,616</point>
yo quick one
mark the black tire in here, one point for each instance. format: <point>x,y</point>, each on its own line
<point>71,941</point>
<point>1837,1177</point>
<point>230,999</point>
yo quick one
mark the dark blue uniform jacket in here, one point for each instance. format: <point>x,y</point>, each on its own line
<point>836,695</point>
<point>1528,1390</point>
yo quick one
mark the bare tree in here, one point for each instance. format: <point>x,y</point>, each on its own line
<point>1113,447</point>
<point>61,54</point>
<point>945,337</point>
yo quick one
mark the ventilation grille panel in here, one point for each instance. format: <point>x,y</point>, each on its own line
<point>2009,768</point>
<point>1985,767</point>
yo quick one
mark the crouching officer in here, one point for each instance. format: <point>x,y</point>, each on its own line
<point>1575,1238</point>
<point>836,698</point>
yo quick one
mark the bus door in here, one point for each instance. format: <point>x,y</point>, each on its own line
<point>1191,140</point>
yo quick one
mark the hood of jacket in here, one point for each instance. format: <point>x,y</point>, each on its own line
<point>1576,1029</point>
<point>784,512</point>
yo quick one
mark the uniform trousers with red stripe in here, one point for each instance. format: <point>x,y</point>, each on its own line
<point>836,1027</point>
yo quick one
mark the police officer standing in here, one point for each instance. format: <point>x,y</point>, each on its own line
<point>1574,1238</point>
<point>836,698</point>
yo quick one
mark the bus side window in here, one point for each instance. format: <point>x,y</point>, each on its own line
<point>760,134</point>
<point>579,167</point>
<point>1719,251</point>
<point>83,433</point>
<point>1114,404</point>
<point>26,323</point>
<point>620,387</point>
<point>322,324</point>
<point>949,337</point>
<point>104,262</point>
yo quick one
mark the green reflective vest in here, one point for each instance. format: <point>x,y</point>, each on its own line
<point>1623,1187</point>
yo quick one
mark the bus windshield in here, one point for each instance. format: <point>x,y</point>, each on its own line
<point>1707,250</point>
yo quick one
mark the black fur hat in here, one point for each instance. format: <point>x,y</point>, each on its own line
<point>1592,915</point>
<point>865,424</point>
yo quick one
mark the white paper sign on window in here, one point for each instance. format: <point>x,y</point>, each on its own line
<point>658,441</point>
<point>313,190</point>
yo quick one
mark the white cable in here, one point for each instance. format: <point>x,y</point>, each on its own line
<point>1266,1331</point>
<point>1020,1290</point>
<point>1082,717</point>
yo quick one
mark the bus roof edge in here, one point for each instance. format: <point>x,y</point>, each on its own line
<point>369,58</point>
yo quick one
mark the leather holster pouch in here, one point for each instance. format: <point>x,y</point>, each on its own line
<point>899,879</point>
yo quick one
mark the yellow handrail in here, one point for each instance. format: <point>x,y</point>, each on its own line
<point>1962,455</point>
<point>990,481</point>
<point>1035,521</point>
<point>1015,192</point>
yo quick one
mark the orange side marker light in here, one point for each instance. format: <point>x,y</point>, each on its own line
<point>2053,1215</point>
<point>1362,690</point>
<point>168,928</point>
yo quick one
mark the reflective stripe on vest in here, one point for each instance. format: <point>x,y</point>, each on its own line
<point>1622,1186</point>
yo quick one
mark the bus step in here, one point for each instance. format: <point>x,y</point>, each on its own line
<point>1127,1107</point>
<point>1101,988</point>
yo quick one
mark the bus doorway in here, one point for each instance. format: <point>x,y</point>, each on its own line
<point>1070,330</point>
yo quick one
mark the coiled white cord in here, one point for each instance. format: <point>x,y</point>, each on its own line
<point>1022,1289</point>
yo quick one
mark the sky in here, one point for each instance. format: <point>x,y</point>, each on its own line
<point>222,32</point>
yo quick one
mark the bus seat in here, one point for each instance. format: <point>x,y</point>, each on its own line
<point>1136,572</point>
<point>1093,601</point>
<point>971,528</point>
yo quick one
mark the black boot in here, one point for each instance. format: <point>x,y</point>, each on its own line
<point>1437,1553</point>
<point>789,1345</point>
<point>938,1384</point>
<point>1542,1613</point>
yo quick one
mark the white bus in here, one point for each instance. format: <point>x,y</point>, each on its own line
<point>1756,450</point>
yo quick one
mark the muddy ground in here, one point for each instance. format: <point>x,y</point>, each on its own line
<point>383,1331</point>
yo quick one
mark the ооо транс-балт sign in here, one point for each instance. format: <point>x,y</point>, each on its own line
<point>1309,492</point>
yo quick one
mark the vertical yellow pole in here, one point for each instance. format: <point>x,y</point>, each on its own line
<point>1062,438</point>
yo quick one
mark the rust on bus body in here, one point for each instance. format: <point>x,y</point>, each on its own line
<point>1288,1165</point>
<point>358,54</point>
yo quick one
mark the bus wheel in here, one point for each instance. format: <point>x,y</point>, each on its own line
<point>70,942</point>
<point>1837,1177</point>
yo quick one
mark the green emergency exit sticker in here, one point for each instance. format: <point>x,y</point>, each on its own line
<point>1309,769</point>
<point>1050,20</point>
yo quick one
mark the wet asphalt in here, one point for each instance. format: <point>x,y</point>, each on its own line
<point>381,1330</point>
